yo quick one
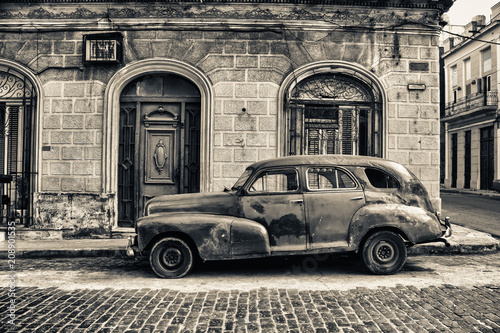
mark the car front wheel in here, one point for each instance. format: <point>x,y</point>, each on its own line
<point>384,252</point>
<point>171,258</point>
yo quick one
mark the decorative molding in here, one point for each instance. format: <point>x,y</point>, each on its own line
<point>332,86</point>
<point>160,156</point>
<point>261,11</point>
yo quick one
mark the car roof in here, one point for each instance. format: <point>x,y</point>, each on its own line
<point>340,160</point>
<point>323,159</point>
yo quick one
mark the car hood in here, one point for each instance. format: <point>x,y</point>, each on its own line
<point>223,203</point>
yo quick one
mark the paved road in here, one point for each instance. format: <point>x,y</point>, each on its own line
<point>478,212</point>
<point>431,294</point>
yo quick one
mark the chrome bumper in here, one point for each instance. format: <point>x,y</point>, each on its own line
<point>447,233</point>
<point>132,248</point>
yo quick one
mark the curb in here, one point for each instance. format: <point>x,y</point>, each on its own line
<point>121,253</point>
<point>84,253</point>
<point>453,249</point>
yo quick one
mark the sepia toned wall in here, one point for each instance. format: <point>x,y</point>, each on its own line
<point>246,52</point>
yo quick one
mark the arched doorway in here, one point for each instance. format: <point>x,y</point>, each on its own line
<point>332,110</point>
<point>112,126</point>
<point>18,105</point>
<point>159,141</point>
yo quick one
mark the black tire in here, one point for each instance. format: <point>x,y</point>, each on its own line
<point>171,258</point>
<point>384,252</point>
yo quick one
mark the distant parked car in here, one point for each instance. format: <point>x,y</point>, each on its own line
<point>496,185</point>
<point>294,206</point>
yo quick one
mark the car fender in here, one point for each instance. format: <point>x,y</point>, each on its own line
<point>209,233</point>
<point>216,237</point>
<point>416,224</point>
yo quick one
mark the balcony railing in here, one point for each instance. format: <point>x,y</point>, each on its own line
<point>472,102</point>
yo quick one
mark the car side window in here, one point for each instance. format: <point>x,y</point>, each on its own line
<point>328,178</point>
<point>380,179</point>
<point>275,181</point>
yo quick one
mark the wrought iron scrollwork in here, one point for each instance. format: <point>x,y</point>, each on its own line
<point>12,86</point>
<point>336,87</point>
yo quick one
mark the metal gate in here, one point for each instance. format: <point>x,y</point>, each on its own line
<point>17,142</point>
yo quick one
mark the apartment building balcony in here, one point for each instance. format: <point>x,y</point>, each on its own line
<point>472,103</point>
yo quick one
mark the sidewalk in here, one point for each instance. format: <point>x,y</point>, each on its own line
<point>488,193</point>
<point>463,240</point>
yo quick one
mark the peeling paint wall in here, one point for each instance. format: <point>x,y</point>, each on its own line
<point>83,214</point>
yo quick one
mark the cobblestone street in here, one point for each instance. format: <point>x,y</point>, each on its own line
<point>431,294</point>
<point>399,309</point>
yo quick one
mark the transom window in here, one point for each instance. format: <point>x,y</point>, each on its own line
<point>468,71</point>
<point>486,60</point>
<point>454,76</point>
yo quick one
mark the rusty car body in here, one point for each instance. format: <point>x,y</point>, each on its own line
<point>290,206</point>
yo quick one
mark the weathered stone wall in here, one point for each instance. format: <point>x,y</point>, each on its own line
<point>83,213</point>
<point>246,68</point>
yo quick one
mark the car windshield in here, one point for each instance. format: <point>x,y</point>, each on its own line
<point>243,178</point>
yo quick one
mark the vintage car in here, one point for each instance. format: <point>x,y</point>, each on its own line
<point>295,205</point>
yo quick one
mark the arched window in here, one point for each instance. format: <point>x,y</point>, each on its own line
<point>17,141</point>
<point>333,113</point>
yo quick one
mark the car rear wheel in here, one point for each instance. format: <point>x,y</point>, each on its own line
<point>384,252</point>
<point>171,258</point>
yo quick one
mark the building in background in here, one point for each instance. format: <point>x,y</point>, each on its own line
<point>471,117</point>
<point>107,104</point>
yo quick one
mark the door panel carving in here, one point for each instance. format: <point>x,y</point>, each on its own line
<point>159,156</point>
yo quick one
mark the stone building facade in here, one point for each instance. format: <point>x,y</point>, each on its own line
<point>124,101</point>
<point>472,132</point>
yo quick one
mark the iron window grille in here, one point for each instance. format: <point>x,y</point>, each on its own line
<point>103,48</point>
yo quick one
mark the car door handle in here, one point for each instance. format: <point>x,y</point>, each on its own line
<point>297,201</point>
<point>357,198</point>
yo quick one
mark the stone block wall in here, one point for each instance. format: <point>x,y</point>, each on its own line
<point>72,137</point>
<point>246,68</point>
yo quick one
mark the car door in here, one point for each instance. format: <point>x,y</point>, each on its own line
<point>331,199</point>
<point>274,200</point>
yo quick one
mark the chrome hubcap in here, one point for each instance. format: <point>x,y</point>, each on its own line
<point>384,252</point>
<point>172,257</point>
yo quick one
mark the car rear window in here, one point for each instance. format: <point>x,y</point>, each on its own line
<point>380,179</point>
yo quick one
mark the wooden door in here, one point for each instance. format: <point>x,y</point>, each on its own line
<point>159,141</point>
<point>159,150</point>
<point>487,158</point>
<point>454,160</point>
<point>467,159</point>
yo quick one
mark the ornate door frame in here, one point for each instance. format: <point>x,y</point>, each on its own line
<point>21,71</point>
<point>112,112</point>
<point>328,67</point>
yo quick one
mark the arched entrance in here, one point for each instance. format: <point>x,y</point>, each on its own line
<point>332,110</point>
<point>159,149</point>
<point>18,106</point>
<point>157,101</point>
